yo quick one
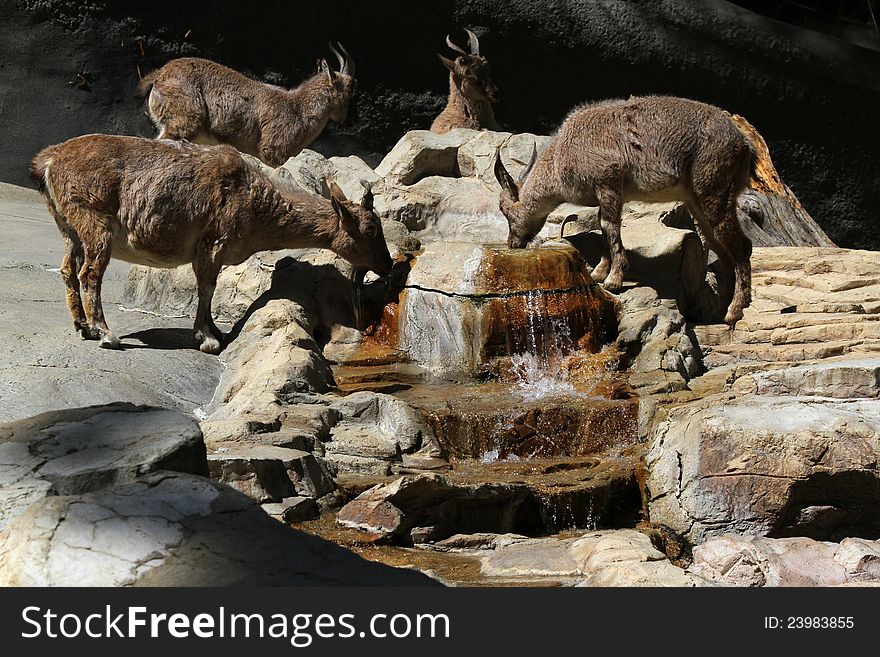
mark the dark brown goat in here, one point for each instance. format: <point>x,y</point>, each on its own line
<point>166,203</point>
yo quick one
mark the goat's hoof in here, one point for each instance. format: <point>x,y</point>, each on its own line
<point>109,341</point>
<point>89,333</point>
<point>612,284</point>
<point>210,345</point>
<point>732,317</point>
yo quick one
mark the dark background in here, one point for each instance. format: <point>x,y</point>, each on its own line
<point>812,91</point>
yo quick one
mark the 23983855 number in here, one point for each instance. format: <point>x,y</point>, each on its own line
<point>819,622</point>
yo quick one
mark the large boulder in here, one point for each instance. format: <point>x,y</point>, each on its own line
<point>169,529</point>
<point>75,451</point>
<point>420,153</point>
<point>767,465</point>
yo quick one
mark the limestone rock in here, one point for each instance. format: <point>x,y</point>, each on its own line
<point>353,176</point>
<point>293,509</point>
<point>737,560</point>
<point>170,529</point>
<point>80,450</point>
<point>420,153</point>
<point>766,465</point>
<point>270,474</point>
<point>307,172</point>
<point>429,500</point>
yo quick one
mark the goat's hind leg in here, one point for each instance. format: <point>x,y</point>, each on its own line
<point>206,332</point>
<point>71,263</point>
<point>91,274</point>
<point>735,249</point>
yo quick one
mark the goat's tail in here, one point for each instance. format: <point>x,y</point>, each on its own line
<point>40,166</point>
<point>146,84</point>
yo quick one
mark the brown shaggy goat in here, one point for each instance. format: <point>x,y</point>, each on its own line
<point>471,91</point>
<point>204,102</point>
<point>166,203</point>
<point>646,149</point>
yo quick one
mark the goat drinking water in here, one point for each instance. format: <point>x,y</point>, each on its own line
<point>167,203</point>
<point>202,101</point>
<point>642,149</point>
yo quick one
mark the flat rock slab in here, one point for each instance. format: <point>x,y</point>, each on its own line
<point>616,557</point>
<point>81,450</point>
<point>171,529</point>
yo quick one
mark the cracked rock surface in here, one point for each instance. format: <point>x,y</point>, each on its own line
<point>173,529</point>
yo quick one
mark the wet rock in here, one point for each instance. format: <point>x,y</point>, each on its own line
<point>293,509</point>
<point>536,557</point>
<point>750,561</point>
<point>767,465</point>
<point>80,450</point>
<point>270,474</point>
<point>420,153</point>
<point>171,529</point>
<point>486,301</point>
<point>479,541</point>
<point>429,500</point>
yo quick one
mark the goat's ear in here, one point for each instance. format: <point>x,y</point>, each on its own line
<point>448,63</point>
<point>338,200</point>
<point>504,179</point>
<point>367,201</point>
<point>326,70</point>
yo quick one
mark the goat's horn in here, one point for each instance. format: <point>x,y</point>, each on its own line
<point>339,57</point>
<point>453,46</point>
<point>571,217</point>
<point>473,41</point>
<point>531,163</point>
<point>349,60</point>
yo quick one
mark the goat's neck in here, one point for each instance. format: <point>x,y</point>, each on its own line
<point>478,112</point>
<point>297,222</point>
<point>312,107</point>
<point>538,198</point>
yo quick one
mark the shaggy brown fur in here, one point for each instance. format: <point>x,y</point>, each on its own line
<point>648,149</point>
<point>204,102</point>
<point>471,91</point>
<point>167,203</point>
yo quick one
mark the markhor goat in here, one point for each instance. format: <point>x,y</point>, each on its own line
<point>647,149</point>
<point>168,203</point>
<point>204,102</point>
<point>471,91</point>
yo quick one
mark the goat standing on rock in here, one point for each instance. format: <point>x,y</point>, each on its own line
<point>167,203</point>
<point>204,102</point>
<point>642,149</point>
<point>471,91</point>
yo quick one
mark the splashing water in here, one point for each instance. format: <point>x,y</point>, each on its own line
<point>537,365</point>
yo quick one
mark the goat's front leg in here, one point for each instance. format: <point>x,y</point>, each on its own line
<point>97,257</point>
<point>610,206</point>
<point>207,333</point>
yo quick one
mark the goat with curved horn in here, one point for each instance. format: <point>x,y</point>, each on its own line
<point>471,90</point>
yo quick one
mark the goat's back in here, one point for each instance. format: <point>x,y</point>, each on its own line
<point>156,198</point>
<point>655,139</point>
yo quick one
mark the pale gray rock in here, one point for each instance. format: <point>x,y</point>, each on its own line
<point>354,176</point>
<point>80,450</point>
<point>738,560</point>
<point>421,153</point>
<point>170,529</point>
<point>293,509</point>
<point>308,172</point>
